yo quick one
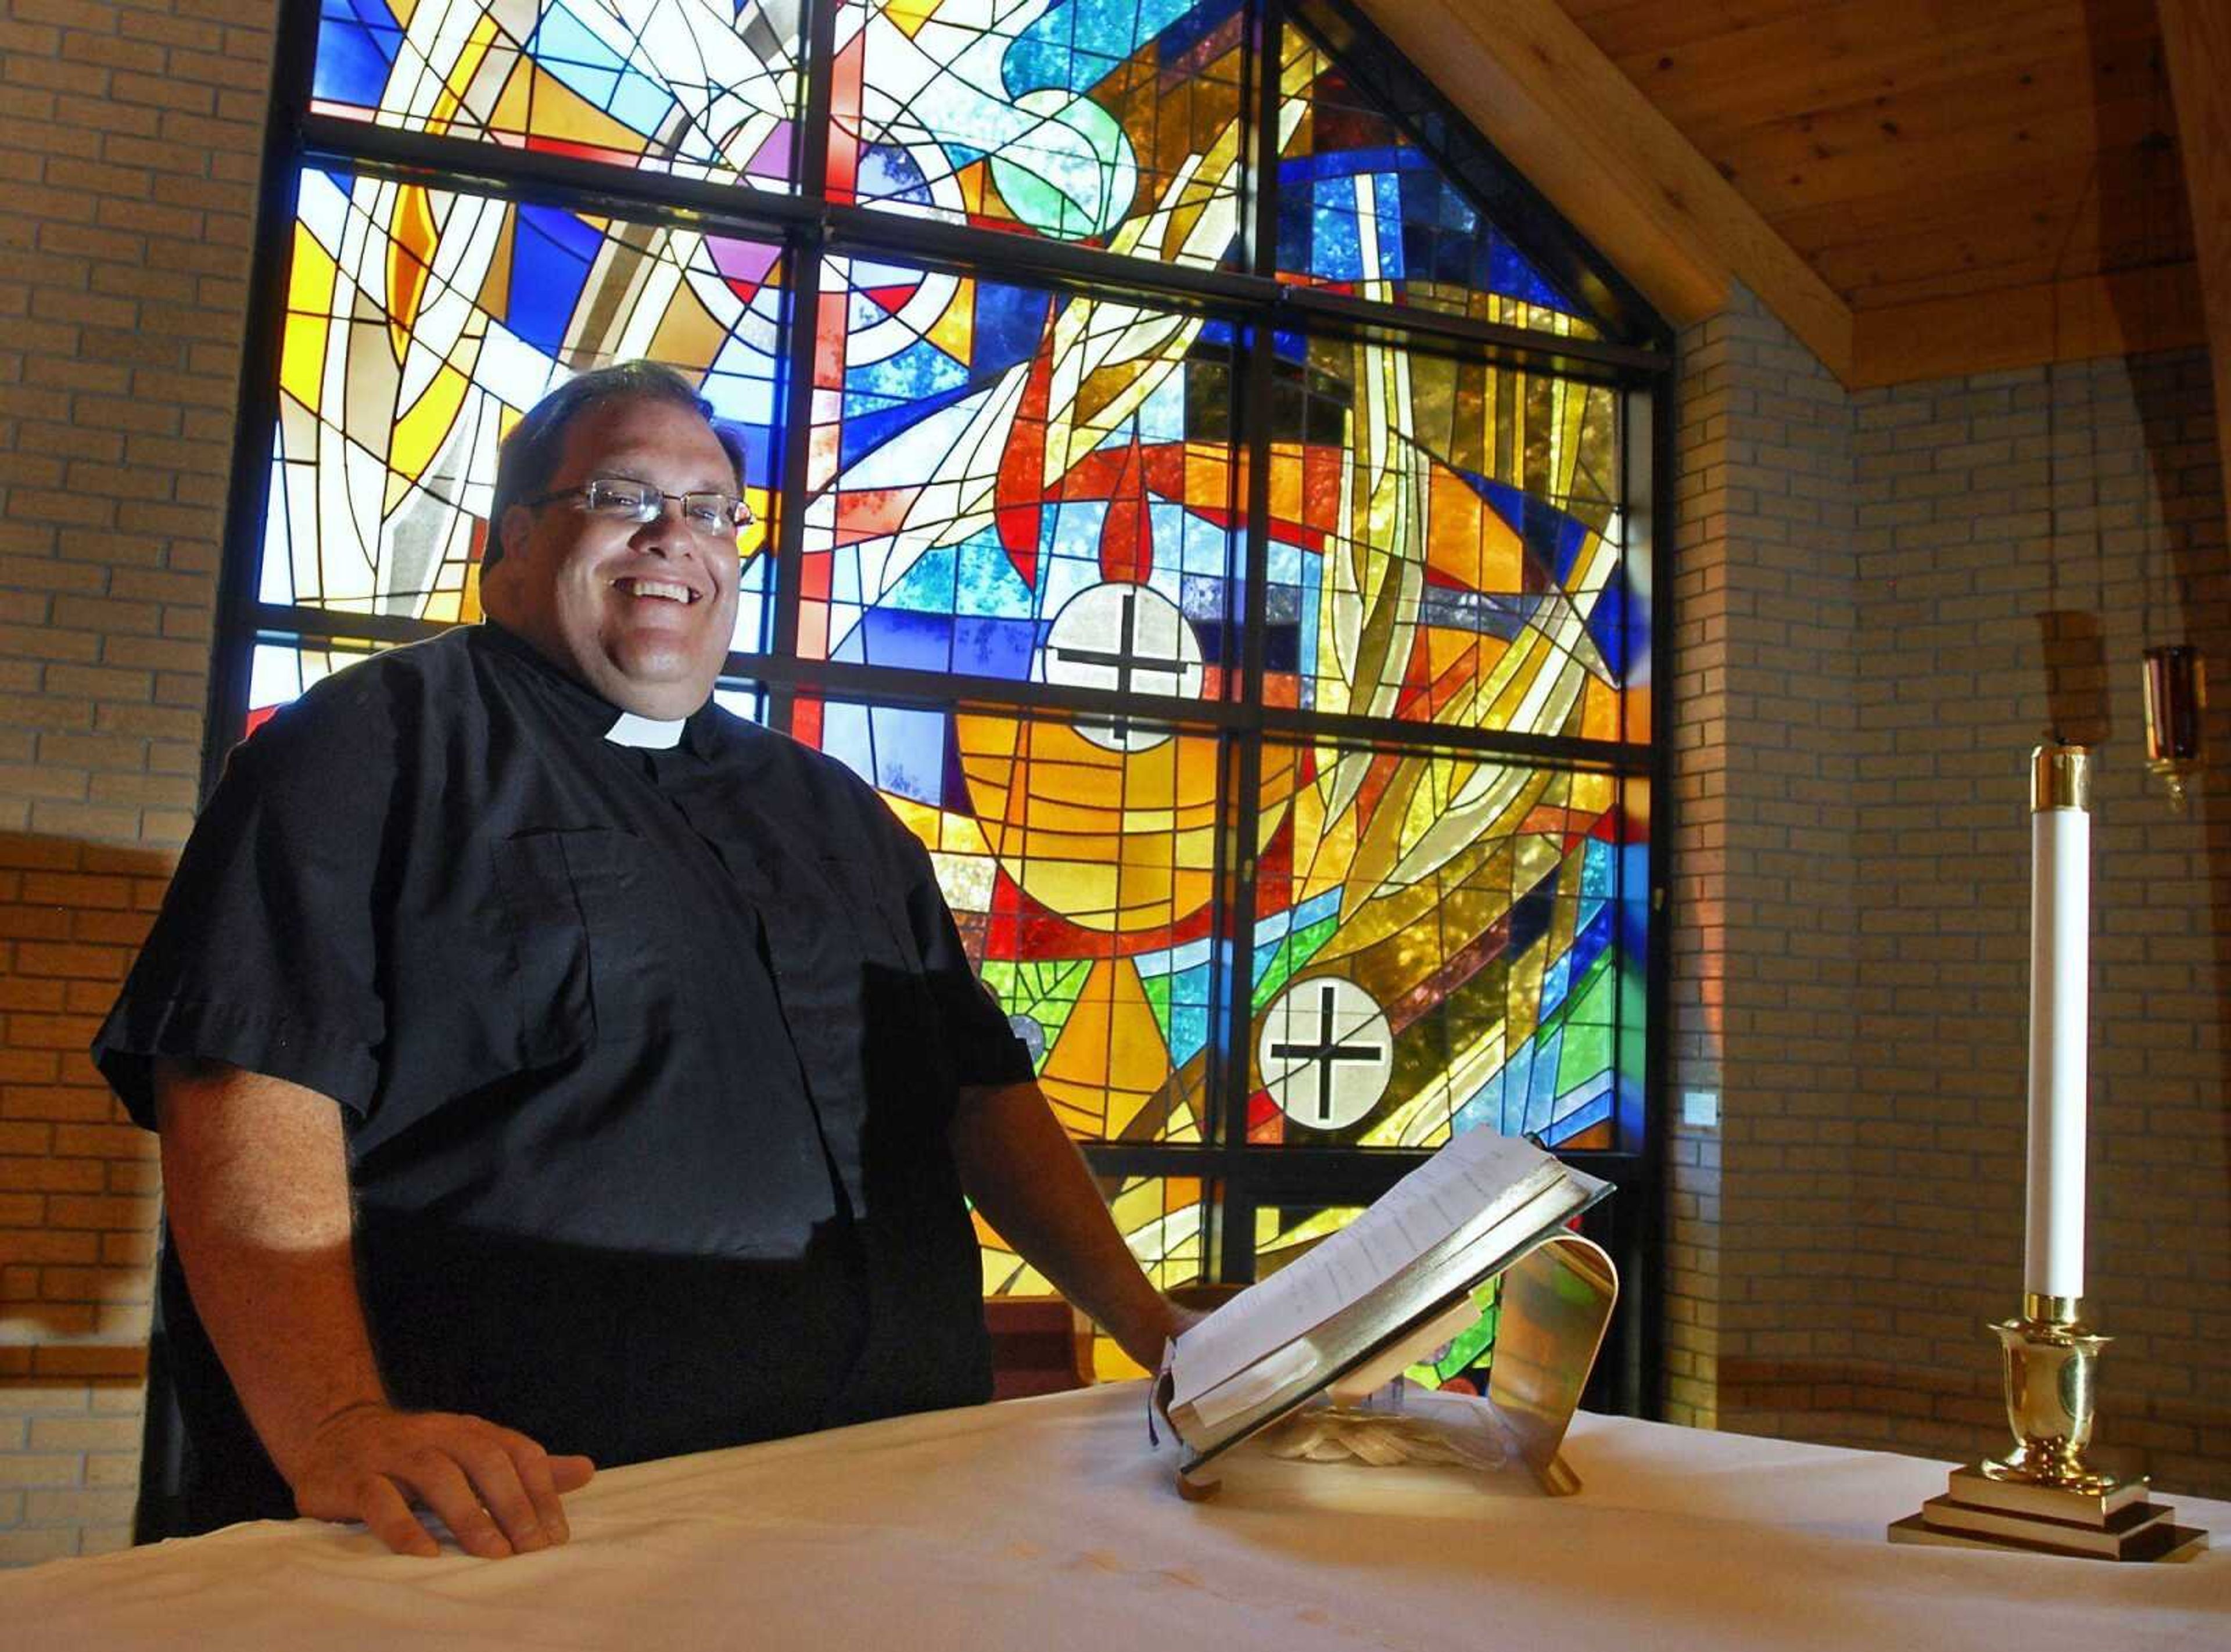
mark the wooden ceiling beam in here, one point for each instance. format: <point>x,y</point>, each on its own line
<point>2074,234</point>
<point>1564,115</point>
<point>1784,172</point>
<point>2196,38</point>
<point>1814,61</point>
<point>2117,314</point>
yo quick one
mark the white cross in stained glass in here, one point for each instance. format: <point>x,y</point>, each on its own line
<point>1129,638</point>
<point>1326,1052</point>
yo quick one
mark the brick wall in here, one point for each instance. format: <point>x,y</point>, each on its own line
<point>1862,670</point>
<point>1985,503</point>
<point>1763,763</point>
<point>129,144</point>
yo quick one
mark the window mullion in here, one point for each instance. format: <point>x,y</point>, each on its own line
<point>239,574</point>
<point>807,253</point>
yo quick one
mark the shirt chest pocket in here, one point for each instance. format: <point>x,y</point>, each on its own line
<point>591,934</point>
<point>901,1039</point>
<point>875,920</point>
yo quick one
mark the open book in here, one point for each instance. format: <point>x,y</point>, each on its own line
<point>1451,1224</point>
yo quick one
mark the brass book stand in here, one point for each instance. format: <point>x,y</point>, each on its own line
<point>1557,1304</point>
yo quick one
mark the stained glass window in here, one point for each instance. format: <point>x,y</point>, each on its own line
<point>1267,677</point>
<point>701,88</point>
<point>280,672</point>
<point>1362,210</point>
<point>1113,124</point>
<point>1161,1217</point>
<point>1013,483</point>
<point>1445,544</point>
<point>1437,946</point>
<point>421,324</point>
<point>1077,855</point>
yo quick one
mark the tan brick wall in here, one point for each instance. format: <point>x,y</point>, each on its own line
<point>1765,594</point>
<point>1986,502</point>
<point>130,136</point>
<point>1854,713</point>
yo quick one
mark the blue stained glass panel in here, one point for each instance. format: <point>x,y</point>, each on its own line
<point>1362,210</point>
<point>1111,123</point>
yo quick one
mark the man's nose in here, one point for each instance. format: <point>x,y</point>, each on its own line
<point>663,530</point>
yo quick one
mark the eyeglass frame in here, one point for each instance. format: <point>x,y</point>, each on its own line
<point>580,490</point>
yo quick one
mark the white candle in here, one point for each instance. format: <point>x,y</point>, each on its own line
<point>2059,1001</point>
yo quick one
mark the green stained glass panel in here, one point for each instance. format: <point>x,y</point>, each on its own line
<point>1462,931</point>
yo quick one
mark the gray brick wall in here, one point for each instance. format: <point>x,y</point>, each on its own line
<point>1766,594</point>
<point>1863,670</point>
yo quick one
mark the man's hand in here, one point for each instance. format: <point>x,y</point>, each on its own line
<point>255,1178</point>
<point>496,1490</point>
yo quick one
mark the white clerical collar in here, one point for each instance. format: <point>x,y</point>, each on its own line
<point>650,732</point>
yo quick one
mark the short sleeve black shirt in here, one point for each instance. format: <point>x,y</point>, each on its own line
<point>646,1059</point>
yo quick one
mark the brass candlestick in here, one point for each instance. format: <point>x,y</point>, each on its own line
<point>2051,1360</point>
<point>2043,1496</point>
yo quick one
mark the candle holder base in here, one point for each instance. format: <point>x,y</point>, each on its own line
<point>2043,1496</point>
<point>1982,1511</point>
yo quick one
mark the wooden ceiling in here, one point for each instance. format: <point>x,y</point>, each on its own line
<point>1918,187</point>
<point>1923,149</point>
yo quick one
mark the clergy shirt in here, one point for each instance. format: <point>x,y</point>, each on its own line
<point>646,1058</point>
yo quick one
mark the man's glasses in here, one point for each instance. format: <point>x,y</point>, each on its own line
<point>621,499</point>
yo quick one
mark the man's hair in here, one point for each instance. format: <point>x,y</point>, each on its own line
<point>530,454</point>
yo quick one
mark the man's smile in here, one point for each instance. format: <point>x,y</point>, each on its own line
<point>659,590</point>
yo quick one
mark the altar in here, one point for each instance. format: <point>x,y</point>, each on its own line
<point>1052,1523</point>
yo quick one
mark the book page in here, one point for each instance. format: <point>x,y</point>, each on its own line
<point>1471,1182</point>
<point>1329,1341</point>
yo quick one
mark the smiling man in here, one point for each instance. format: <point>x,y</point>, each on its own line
<point>635,600</point>
<point>554,1069</point>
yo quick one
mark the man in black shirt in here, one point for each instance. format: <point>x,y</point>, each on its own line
<point>553,1067</point>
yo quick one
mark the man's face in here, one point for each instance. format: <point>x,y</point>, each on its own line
<point>642,612</point>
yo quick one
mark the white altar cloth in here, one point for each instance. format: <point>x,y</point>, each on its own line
<point>1050,1525</point>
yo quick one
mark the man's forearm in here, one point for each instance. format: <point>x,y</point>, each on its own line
<point>255,1181</point>
<point>256,1186</point>
<point>1030,1183</point>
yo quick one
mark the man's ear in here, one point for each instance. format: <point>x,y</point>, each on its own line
<point>513,533</point>
<point>517,526</point>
